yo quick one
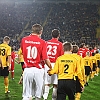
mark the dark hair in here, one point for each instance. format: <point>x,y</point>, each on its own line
<point>75,49</point>
<point>93,54</point>
<point>73,43</point>
<point>67,46</point>
<point>55,33</point>
<point>36,28</point>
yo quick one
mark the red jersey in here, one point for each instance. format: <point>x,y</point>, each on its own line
<point>54,49</point>
<point>82,52</point>
<point>34,50</point>
<point>94,50</point>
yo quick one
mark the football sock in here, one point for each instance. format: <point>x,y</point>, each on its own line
<point>6,82</point>
<point>46,92</point>
<point>77,96</point>
<point>54,94</point>
<point>87,78</point>
<point>12,74</point>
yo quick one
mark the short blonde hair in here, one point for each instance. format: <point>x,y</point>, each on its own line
<point>6,38</point>
<point>36,28</point>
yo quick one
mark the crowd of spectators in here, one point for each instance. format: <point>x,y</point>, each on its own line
<point>76,22</point>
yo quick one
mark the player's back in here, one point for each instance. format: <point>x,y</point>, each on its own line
<point>87,61</point>
<point>20,55</point>
<point>33,50</point>
<point>54,49</point>
<point>66,66</point>
<point>5,51</point>
<point>82,52</point>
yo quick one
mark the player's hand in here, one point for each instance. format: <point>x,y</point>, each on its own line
<point>49,72</point>
<point>9,68</point>
<point>82,89</point>
<point>18,62</point>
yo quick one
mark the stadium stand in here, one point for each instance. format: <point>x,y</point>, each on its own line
<point>76,21</point>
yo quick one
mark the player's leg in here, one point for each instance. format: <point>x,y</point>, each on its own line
<point>77,96</point>
<point>54,81</point>
<point>61,94</point>
<point>70,90</point>
<point>78,89</point>
<point>21,78</point>
<point>47,82</point>
<point>28,78</point>
<point>12,70</point>
<point>39,80</point>
<point>5,73</point>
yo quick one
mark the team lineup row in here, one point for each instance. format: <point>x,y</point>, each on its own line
<point>66,66</point>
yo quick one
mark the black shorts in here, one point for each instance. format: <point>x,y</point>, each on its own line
<point>22,63</point>
<point>94,67</point>
<point>78,86</point>
<point>98,62</point>
<point>87,70</point>
<point>4,72</point>
<point>66,87</point>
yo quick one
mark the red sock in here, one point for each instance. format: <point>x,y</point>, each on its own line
<point>12,74</point>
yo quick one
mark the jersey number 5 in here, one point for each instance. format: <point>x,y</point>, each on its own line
<point>31,52</point>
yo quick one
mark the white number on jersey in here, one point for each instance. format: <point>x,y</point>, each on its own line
<point>32,52</point>
<point>52,50</point>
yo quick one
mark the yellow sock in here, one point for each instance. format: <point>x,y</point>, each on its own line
<point>92,75</point>
<point>6,82</point>
<point>77,96</point>
<point>87,78</point>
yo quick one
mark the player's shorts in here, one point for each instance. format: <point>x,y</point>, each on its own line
<point>94,67</point>
<point>4,72</point>
<point>66,87</point>
<point>87,70</point>
<point>78,86</point>
<point>22,63</point>
<point>98,62</point>
<point>53,79</point>
<point>33,82</point>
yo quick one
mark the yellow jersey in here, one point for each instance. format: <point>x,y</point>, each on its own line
<point>5,51</point>
<point>80,64</point>
<point>66,66</point>
<point>97,56</point>
<point>20,55</point>
<point>87,61</point>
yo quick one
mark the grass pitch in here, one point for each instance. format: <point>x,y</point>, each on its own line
<point>91,92</point>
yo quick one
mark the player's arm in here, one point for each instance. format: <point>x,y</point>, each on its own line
<point>16,60</point>
<point>48,63</point>
<point>9,58</point>
<point>9,62</point>
<point>83,69</point>
<point>79,74</point>
<point>55,69</point>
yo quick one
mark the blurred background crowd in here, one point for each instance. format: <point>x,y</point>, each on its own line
<point>76,21</point>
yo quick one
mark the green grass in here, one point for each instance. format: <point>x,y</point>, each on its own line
<point>91,92</point>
